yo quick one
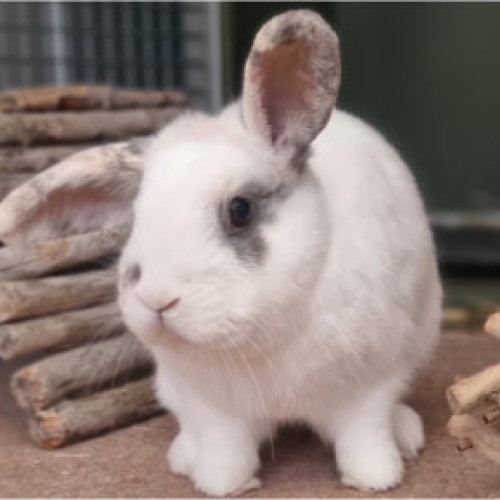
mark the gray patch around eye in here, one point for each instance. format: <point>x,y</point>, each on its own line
<point>250,246</point>
<point>130,276</point>
<point>248,242</point>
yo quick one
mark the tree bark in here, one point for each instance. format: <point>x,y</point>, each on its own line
<point>80,372</point>
<point>73,420</point>
<point>27,299</point>
<point>67,127</point>
<point>60,331</point>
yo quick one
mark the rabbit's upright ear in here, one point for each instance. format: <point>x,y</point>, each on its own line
<point>88,191</point>
<point>291,80</point>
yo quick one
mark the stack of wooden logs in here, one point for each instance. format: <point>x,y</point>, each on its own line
<point>41,126</point>
<point>84,373</point>
<point>475,404</point>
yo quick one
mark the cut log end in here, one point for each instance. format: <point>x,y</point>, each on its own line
<point>73,420</point>
<point>492,325</point>
<point>483,437</point>
<point>468,392</point>
<point>47,429</point>
<point>24,382</point>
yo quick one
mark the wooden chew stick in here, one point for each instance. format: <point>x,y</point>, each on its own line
<point>60,331</point>
<point>466,393</point>
<point>492,415</point>
<point>464,444</point>
<point>80,371</point>
<point>26,299</point>
<point>72,420</point>
<point>43,128</point>
<point>492,326</point>
<point>484,438</point>
<point>32,260</point>
<point>80,97</point>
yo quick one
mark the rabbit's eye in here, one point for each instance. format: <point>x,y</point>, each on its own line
<point>240,211</point>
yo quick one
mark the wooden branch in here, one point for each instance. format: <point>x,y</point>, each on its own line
<point>484,438</point>
<point>32,260</point>
<point>85,192</point>
<point>492,325</point>
<point>43,128</point>
<point>27,299</point>
<point>81,97</point>
<point>9,182</point>
<point>73,420</point>
<point>492,415</point>
<point>494,398</point>
<point>60,331</point>
<point>32,160</point>
<point>469,391</point>
<point>464,444</point>
<point>80,371</point>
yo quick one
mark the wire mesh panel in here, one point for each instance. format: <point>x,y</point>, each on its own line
<point>129,44</point>
<point>123,43</point>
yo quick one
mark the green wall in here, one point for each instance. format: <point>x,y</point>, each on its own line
<point>426,74</point>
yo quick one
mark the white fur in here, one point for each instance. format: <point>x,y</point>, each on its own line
<point>329,329</point>
<point>330,337</point>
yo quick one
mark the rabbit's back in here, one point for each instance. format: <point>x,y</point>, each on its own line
<point>380,293</point>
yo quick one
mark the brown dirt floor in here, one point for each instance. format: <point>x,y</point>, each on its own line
<point>130,462</point>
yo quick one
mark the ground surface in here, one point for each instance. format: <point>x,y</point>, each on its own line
<point>130,462</point>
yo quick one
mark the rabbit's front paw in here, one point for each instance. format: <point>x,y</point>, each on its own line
<point>408,430</point>
<point>181,454</point>
<point>376,467</point>
<point>225,471</point>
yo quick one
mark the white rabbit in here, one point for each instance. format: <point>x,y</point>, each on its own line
<point>281,269</point>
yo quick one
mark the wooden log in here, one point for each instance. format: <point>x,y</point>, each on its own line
<point>79,97</point>
<point>484,438</point>
<point>470,391</point>
<point>60,331</point>
<point>88,191</point>
<point>68,127</point>
<point>492,415</point>
<point>464,444</point>
<point>27,299</point>
<point>80,371</point>
<point>492,325</point>
<point>74,420</point>
<point>32,260</point>
<point>9,182</point>
<point>493,398</point>
<point>35,159</point>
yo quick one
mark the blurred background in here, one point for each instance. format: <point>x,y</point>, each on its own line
<point>427,75</point>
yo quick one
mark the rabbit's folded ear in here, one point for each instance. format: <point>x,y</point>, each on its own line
<point>291,80</point>
<point>90,190</point>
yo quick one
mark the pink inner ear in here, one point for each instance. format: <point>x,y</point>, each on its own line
<point>69,209</point>
<point>284,76</point>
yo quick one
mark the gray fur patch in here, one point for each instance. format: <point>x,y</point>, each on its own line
<point>130,276</point>
<point>248,242</point>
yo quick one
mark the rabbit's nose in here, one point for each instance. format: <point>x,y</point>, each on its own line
<point>157,306</point>
<point>168,305</point>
